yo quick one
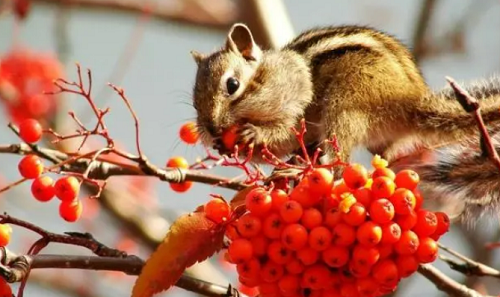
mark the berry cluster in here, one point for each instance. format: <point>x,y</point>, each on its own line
<point>357,237</point>
<point>24,77</point>
<point>43,187</point>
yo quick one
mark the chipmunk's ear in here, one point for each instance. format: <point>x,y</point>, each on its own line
<point>197,56</point>
<point>240,40</point>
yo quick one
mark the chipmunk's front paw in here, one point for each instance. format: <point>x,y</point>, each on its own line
<point>250,134</point>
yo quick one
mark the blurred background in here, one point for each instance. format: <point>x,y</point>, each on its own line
<point>144,46</point>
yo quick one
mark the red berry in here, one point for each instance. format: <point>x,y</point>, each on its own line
<point>369,233</point>
<point>407,179</point>
<point>367,286</point>
<point>443,223</point>
<point>381,211</point>
<point>356,215</point>
<point>406,222</point>
<point>271,272</point>
<point>260,244</point>
<point>343,234</point>
<point>294,237</point>
<point>181,187</point>
<point>311,218</point>
<point>385,272</point>
<point>363,196</point>
<point>178,162</point>
<point>407,244</point>
<point>315,277</point>
<point>42,188</point>
<point>278,252</point>
<point>258,201</point>
<point>391,233</point>
<point>188,133</point>
<point>383,187</point>
<point>229,138</point>
<point>240,250</point>
<point>364,255</point>
<point>302,194</point>
<point>355,176</point>
<point>320,238</point>
<point>320,181</point>
<point>217,210</point>
<point>426,223</point>
<point>249,225</point>
<point>384,171</point>
<point>30,166</point>
<point>427,251</point>
<point>70,210</point>
<point>291,211</point>
<point>289,283</point>
<point>294,266</point>
<point>336,256</point>
<point>30,130</point>
<point>5,289</point>
<point>403,200</point>
<point>308,256</point>
<point>5,232</point>
<point>407,265</point>
<point>67,188</point>
<point>249,269</point>
<point>272,226</point>
<point>279,197</point>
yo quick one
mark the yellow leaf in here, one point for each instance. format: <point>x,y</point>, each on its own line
<point>192,238</point>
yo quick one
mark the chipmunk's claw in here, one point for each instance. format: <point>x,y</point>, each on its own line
<point>249,134</point>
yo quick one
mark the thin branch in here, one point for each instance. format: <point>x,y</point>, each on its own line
<point>419,45</point>
<point>446,284</point>
<point>16,267</point>
<point>219,17</point>
<point>102,170</point>
<point>471,105</point>
<point>469,266</point>
<point>79,239</point>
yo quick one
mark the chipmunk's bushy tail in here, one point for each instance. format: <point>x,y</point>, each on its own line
<point>458,176</point>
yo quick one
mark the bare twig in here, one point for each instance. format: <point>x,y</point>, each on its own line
<point>419,44</point>
<point>268,21</point>
<point>220,17</point>
<point>101,170</point>
<point>471,105</point>
<point>79,239</point>
<point>15,268</point>
<point>446,284</point>
<point>469,266</point>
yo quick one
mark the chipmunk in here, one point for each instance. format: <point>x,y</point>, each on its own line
<point>352,82</point>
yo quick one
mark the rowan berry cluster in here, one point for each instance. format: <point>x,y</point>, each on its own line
<point>24,77</point>
<point>43,187</point>
<point>356,237</point>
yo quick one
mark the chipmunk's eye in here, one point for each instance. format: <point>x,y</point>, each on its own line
<point>232,85</point>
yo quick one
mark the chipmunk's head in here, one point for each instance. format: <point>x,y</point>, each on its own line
<point>240,83</point>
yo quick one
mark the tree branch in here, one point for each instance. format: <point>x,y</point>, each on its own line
<point>469,267</point>
<point>446,284</point>
<point>15,268</point>
<point>218,17</point>
<point>102,170</point>
<point>471,105</point>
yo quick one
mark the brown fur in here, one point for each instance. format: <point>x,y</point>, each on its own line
<point>356,83</point>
